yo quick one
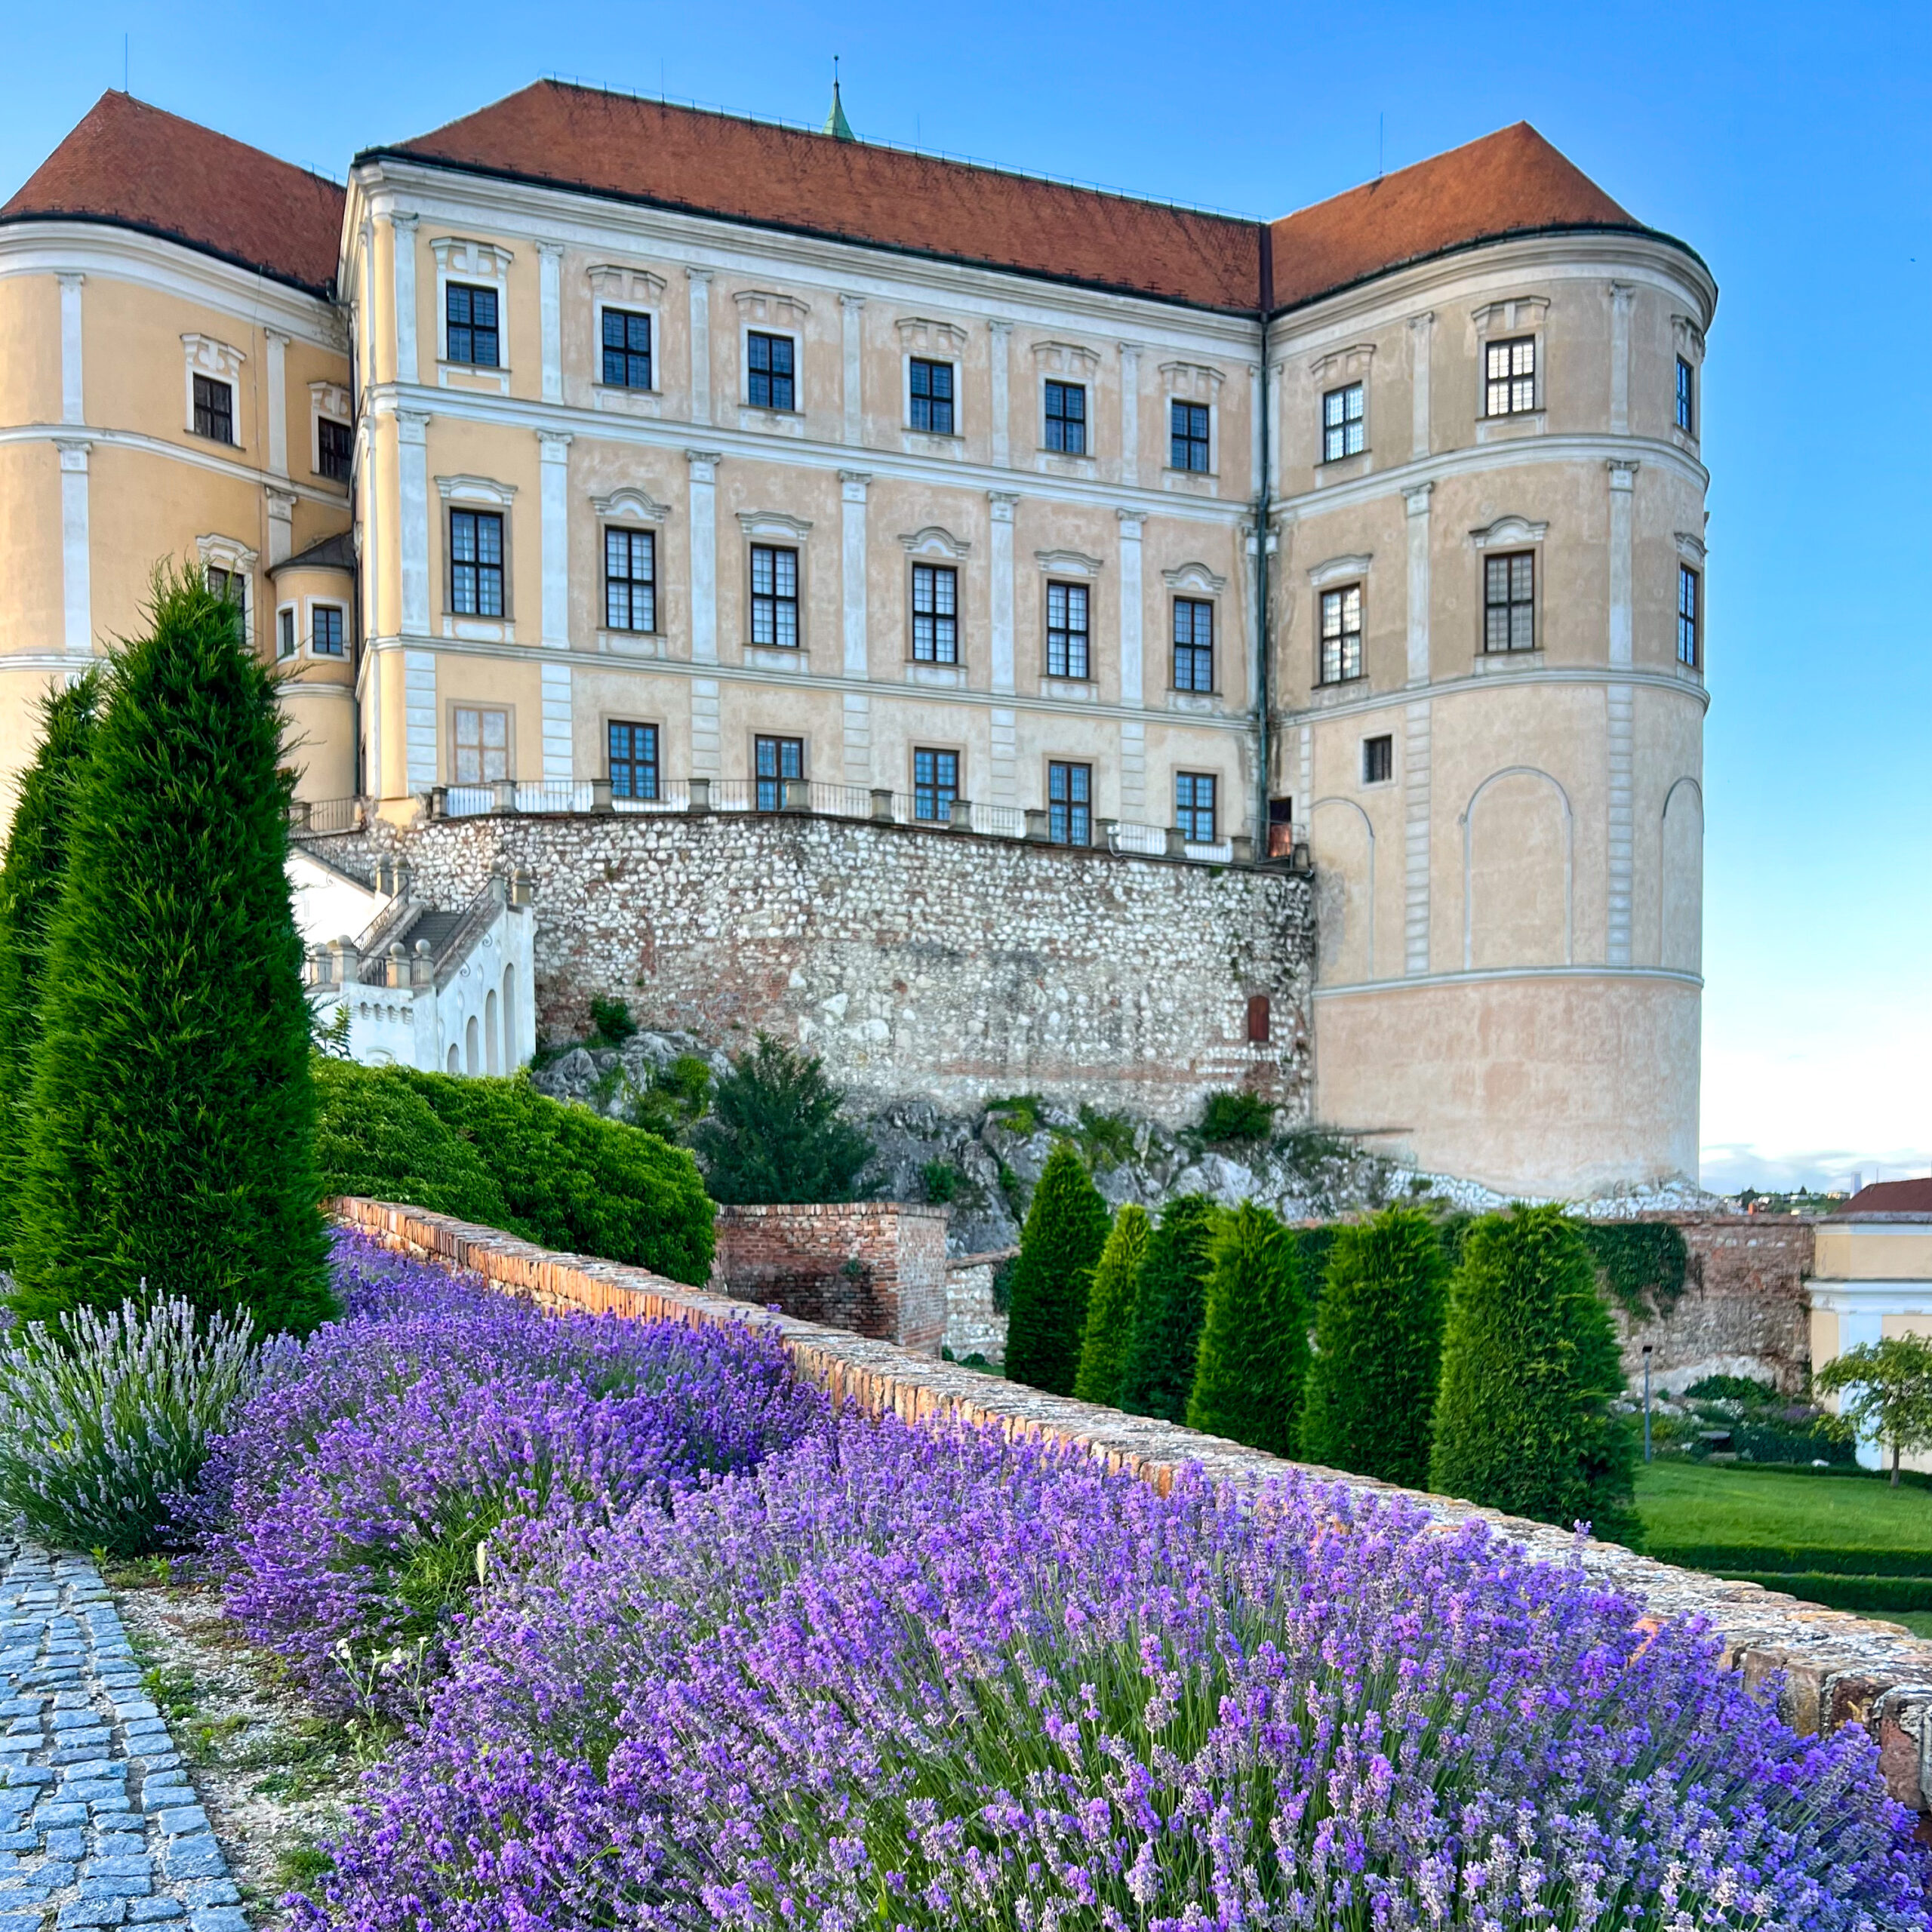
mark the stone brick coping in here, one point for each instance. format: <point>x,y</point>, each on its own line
<point>1836,1668</point>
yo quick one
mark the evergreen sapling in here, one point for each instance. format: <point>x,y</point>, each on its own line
<point>1065,1231</point>
<point>1110,1303</point>
<point>1159,1371</point>
<point>1253,1361</point>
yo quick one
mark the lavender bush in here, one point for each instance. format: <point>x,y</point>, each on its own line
<point>900,1677</point>
<point>351,1502</point>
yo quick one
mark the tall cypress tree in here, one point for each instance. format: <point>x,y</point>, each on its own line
<point>30,881</point>
<point>1529,1366</point>
<point>1110,1306</point>
<point>1159,1371</point>
<point>1378,1349</point>
<point>173,1127</point>
<point>1253,1353</point>
<point>1066,1228</point>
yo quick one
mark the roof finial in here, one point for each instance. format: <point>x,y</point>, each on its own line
<point>836,124</point>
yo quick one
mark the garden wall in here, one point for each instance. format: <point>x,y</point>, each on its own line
<point>974,1325</point>
<point>877,1268</point>
<point>944,966</point>
<point>1829,1668</point>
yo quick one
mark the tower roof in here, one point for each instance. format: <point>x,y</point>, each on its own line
<point>836,124</point>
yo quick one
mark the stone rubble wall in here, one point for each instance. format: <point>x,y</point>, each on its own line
<point>974,1326</point>
<point>1826,1668</point>
<point>944,966</point>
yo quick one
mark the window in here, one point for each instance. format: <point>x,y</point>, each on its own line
<point>932,396</point>
<point>1341,634</point>
<point>1067,631</point>
<point>1194,806</point>
<point>1260,1016</point>
<point>1189,427</point>
<point>1510,368</point>
<point>633,749</point>
<point>1070,803</point>
<point>325,631</point>
<point>1066,418</point>
<point>476,563</point>
<point>935,614</point>
<point>1281,828</point>
<point>482,748</point>
<point>768,371</point>
<point>774,596</point>
<point>1509,602</point>
<point>1688,589</point>
<point>470,318</point>
<point>214,409</point>
<point>778,759</point>
<point>1687,398</point>
<point>626,350</point>
<point>630,580</point>
<point>335,449</point>
<point>1378,761</point>
<point>232,586</point>
<point>1194,644</point>
<point>1342,423</point>
<point>285,633</point>
<point>935,785</point>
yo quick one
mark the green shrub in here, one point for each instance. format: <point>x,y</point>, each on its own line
<point>1003,1275</point>
<point>30,882</point>
<point>105,1420</point>
<point>776,1133</point>
<point>1529,1365</point>
<point>673,1100</point>
<point>1018,1113</point>
<point>1732,1389</point>
<point>1378,1349</point>
<point>1253,1355</point>
<point>1107,1140</point>
<point>611,1024</point>
<point>941,1181</point>
<point>1236,1116</point>
<point>1642,1264</point>
<point>1868,1595</point>
<point>1111,1305</point>
<point>173,1137</point>
<point>1159,1372</point>
<point>1771,1560</point>
<point>1312,1248</point>
<point>1066,1228</point>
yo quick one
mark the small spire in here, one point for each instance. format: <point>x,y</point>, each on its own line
<point>836,124</point>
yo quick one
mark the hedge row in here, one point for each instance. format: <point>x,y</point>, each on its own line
<point>1771,1560</point>
<point>1836,1593</point>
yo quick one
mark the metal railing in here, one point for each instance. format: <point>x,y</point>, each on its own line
<point>316,816</point>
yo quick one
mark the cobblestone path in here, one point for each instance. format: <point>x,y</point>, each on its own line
<point>98,1822</point>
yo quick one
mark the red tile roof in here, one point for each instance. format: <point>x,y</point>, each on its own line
<point>137,166</point>
<point>1891,1196</point>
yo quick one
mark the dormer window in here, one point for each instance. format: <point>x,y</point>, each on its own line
<point>214,409</point>
<point>471,325</point>
<point>1510,376</point>
<point>1342,423</point>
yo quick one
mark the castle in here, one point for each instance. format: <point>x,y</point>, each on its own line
<point>592,447</point>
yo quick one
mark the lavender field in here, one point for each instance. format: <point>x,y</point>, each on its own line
<point>662,1642</point>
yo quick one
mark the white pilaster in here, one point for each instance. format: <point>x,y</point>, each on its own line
<point>704,554</point>
<point>1002,502</point>
<point>1133,673</point>
<point>852,486</point>
<point>419,699</point>
<point>76,556</point>
<point>1623,484</point>
<point>858,739</point>
<point>1621,294</point>
<point>559,758</point>
<point>1130,414</point>
<point>412,431</point>
<point>1415,836</point>
<point>1000,364</point>
<point>1417,500</point>
<point>282,524</point>
<point>1422,339</point>
<point>1621,700</point>
<point>1133,768</point>
<point>700,281</point>
<point>276,376</point>
<point>553,507</point>
<point>403,236</point>
<point>1257,427</point>
<point>1003,767</point>
<point>73,395</point>
<point>707,733</point>
<point>852,309</point>
<point>550,314</point>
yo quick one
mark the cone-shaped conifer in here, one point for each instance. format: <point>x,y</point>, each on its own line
<point>1159,1371</point>
<point>1378,1349</point>
<point>173,1117</point>
<point>1253,1359</point>
<point>1110,1306</point>
<point>1066,1228</point>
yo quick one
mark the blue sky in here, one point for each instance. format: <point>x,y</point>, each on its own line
<point>1792,147</point>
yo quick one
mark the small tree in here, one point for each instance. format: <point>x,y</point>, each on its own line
<point>30,882</point>
<point>775,1132</point>
<point>1378,1349</point>
<point>1887,1389</point>
<point>1253,1353</point>
<point>1110,1308</point>
<point>1066,1230</point>
<point>1529,1365</point>
<point>174,1132</point>
<point>1159,1372</point>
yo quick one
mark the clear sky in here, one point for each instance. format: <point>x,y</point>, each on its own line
<point>1792,147</point>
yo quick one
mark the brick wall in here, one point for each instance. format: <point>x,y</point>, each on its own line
<point>876,1268</point>
<point>943,967</point>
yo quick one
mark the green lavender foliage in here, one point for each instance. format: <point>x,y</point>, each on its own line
<point>30,881</point>
<point>173,1134</point>
<point>1159,1372</point>
<point>1529,1366</point>
<point>1253,1359</point>
<point>105,1419</point>
<point>1066,1230</point>
<point>1378,1349</point>
<point>775,1132</point>
<point>1111,1304</point>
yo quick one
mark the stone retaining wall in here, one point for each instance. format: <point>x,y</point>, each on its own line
<point>1830,1668</point>
<point>974,1326</point>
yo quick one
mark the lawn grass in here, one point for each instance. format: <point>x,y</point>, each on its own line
<point>1683,1502</point>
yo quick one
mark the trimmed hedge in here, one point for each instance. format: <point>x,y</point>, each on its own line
<point>1253,1359</point>
<point>1112,1302</point>
<point>1066,1228</point>
<point>1767,1559</point>
<point>1836,1593</point>
<point>1158,1375</point>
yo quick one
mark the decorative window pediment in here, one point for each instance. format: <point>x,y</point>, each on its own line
<point>920,335</point>
<point>1690,547</point>
<point>933,542</point>
<point>1690,338</point>
<point>625,288</point>
<point>774,526</point>
<point>329,399</point>
<point>1518,313</point>
<point>476,489</point>
<point>1067,361</point>
<point>1068,563</point>
<point>1509,533</point>
<point>1192,382</point>
<point>487,261</point>
<point>1345,365</point>
<point>207,357</point>
<point>762,305</point>
<point>631,506</point>
<point>1338,570</point>
<point>226,553</point>
<point>1196,577</point>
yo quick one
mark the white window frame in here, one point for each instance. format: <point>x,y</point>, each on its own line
<point>1341,369</point>
<point>922,339</point>
<point>327,401</point>
<point>221,362</point>
<point>1505,321</point>
<point>341,603</point>
<point>287,621</point>
<point>479,493</point>
<point>230,553</point>
<point>1073,364</point>
<point>633,510</point>
<point>763,312</point>
<point>637,292</point>
<point>1197,382</point>
<point>775,530</point>
<point>480,265</point>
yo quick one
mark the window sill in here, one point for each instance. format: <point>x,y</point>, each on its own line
<point>1343,469</point>
<point>1192,482</point>
<point>1685,440</point>
<point>618,400</point>
<point>1199,704</point>
<point>480,630</point>
<point>1506,429</point>
<point>776,656</point>
<point>927,442</point>
<point>1491,663</point>
<point>1691,674</point>
<point>219,442</point>
<point>774,422</point>
<point>1070,691</point>
<point>1344,691</point>
<point>937,677</point>
<point>474,376</point>
<point>632,644</point>
<point>1058,463</point>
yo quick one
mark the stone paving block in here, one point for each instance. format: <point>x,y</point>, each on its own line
<point>19,1922</point>
<point>119,1865</point>
<point>92,1911</point>
<point>195,1858</point>
<point>219,1918</point>
<point>212,1891</point>
<point>150,1911</point>
<point>188,1818</point>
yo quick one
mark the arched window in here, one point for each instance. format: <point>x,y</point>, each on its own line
<point>473,1055</point>
<point>492,1048</point>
